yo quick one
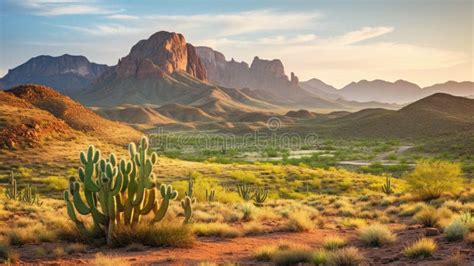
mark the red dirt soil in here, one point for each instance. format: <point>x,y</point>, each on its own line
<point>241,250</point>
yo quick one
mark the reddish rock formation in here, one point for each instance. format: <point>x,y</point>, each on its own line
<point>263,74</point>
<point>162,53</point>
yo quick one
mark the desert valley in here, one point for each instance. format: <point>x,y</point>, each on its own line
<point>181,155</point>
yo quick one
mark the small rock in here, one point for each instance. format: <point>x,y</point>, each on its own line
<point>431,231</point>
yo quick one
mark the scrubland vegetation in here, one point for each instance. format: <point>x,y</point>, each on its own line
<point>295,213</point>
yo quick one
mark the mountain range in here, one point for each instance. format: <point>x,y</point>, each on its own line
<point>398,92</point>
<point>66,73</point>
<point>166,81</point>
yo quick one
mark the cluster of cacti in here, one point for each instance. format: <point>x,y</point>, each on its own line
<point>259,195</point>
<point>210,195</point>
<point>28,195</point>
<point>118,193</point>
<point>387,187</point>
<point>245,191</point>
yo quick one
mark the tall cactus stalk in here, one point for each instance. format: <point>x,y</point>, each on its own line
<point>28,195</point>
<point>117,193</point>
<point>187,206</point>
<point>387,187</point>
<point>210,195</point>
<point>12,188</point>
<point>190,192</point>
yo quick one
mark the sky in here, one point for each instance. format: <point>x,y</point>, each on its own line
<point>337,41</point>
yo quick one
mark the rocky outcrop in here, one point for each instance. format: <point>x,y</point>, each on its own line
<point>164,53</point>
<point>261,74</point>
<point>66,73</point>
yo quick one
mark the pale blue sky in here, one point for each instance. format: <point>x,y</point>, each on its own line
<point>423,41</point>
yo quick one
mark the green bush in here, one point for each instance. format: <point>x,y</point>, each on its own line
<point>431,179</point>
<point>456,230</point>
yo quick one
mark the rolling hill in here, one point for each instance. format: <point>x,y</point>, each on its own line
<point>41,113</point>
<point>434,116</point>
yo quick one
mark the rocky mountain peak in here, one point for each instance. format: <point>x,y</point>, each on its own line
<point>267,67</point>
<point>163,53</point>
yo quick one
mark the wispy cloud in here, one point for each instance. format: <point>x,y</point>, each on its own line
<point>64,7</point>
<point>341,58</point>
<point>123,17</point>
<point>364,34</point>
<point>104,29</point>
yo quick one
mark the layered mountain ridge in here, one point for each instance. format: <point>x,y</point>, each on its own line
<point>66,73</point>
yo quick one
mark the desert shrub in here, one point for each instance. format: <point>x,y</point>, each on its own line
<point>423,247</point>
<point>292,256</point>
<point>456,230</point>
<point>376,235</point>
<point>265,253</point>
<point>412,209</point>
<point>253,228</point>
<point>245,177</point>
<point>105,260</point>
<point>320,257</point>
<point>200,216</point>
<point>428,217</point>
<point>430,179</point>
<point>58,183</point>
<point>299,221</point>
<point>215,229</point>
<point>453,205</point>
<point>349,256</point>
<point>158,235</point>
<point>334,242</point>
<point>354,223</point>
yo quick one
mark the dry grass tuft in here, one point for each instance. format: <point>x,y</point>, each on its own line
<point>423,247</point>
<point>376,235</point>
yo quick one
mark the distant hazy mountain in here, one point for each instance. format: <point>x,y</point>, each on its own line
<point>400,91</point>
<point>436,115</point>
<point>321,89</point>
<point>465,88</point>
<point>66,73</point>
